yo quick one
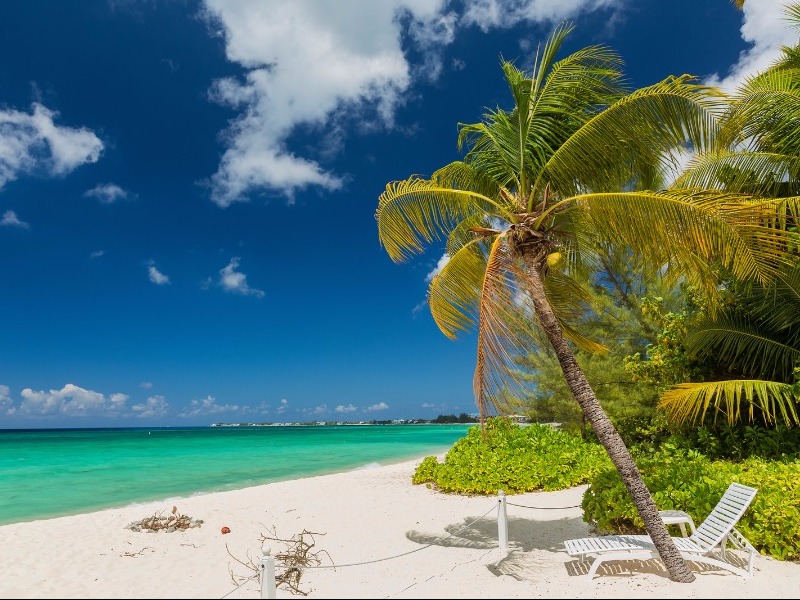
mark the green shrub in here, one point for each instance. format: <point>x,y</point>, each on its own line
<point>505,456</point>
<point>426,471</point>
<point>689,481</point>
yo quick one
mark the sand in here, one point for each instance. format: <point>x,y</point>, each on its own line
<point>414,543</point>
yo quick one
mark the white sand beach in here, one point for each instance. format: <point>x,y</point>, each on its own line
<point>415,543</point>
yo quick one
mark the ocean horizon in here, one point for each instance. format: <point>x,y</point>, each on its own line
<point>48,473</point>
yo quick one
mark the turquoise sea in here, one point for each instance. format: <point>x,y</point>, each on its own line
<point>58,472</point>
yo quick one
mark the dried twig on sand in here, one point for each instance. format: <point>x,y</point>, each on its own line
<point>289,562</point>
<point>139,553</point>
<point>172,522</point>
<point>298,554</point>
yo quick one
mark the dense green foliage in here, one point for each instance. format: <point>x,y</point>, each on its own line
<point>688,481</point>
<point>613,318</point>
<point>645,436</point>
<point>505,456</point>
<point>685,468</point>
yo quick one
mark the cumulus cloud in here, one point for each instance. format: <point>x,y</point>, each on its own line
<point>154,406</point>
<point>235,282</point>
<point>10,219</point>
<point>764,27</point>
<point>438,268</point>
<point>283,406</point>
<point>70,400</point>
<point>155,275</point>
<point>489,14</point>
<point>346,409</point>
<point>207,406</point>
<point>377,407</point>
<point>350,54</point>
<point>146,385</point>
<point>6,403</point>
<point>97,254</point>
<point>32,144</point>
<point>107,193</point>
<point>320,409</point>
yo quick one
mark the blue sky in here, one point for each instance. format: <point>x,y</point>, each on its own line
<point>188,189</point>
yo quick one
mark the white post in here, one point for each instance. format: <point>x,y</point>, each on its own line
<point>267,573</point>
<point>502,520</point>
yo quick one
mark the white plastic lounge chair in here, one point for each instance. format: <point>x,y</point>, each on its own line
<point>710,538</point>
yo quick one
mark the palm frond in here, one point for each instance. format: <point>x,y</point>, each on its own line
<point>570,303</point>
<point>792,14</point>
<point>470,229</point>
<point>744,347</point>
<point>764,113</point>
<point>691,231</point>
<point>454,293</point>
<point>733,399</point>
<point>774,309</point>
<point>765,174</point>
<point>642,128</point>
<point>493,148</point>
<point>459,175</point>
<point>414,212</point>
<point>502,334</point>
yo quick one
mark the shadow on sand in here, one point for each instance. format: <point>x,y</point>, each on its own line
<point>531,543</point>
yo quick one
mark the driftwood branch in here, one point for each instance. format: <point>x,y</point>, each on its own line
<point>296,555</point>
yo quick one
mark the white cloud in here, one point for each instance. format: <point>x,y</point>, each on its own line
<point>419,307</point>
<point>6,403</point>
<point>97,254</point>
<point>377,407</point>
<point>320,409</point>
<point>233,281</point>
<point>107,193</point>
<point>154,406</point>
<point>438,268</point>
<point>31,143</point>
<point>319,65</point>
<point>117,401</point>
<point>155,275</point>
<point>488,14</point>
<point>764,26</point>
<point>146,385</point>
<point>346,409</point>
<point>70,400</point>
<point>10,219</point>
<point>207,406</point>
<point>283,406</point>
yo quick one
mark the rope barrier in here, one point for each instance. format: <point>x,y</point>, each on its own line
<point>239,586</point>
<point>425,547</point>
<point>377,560</point>
<point>543,507</point>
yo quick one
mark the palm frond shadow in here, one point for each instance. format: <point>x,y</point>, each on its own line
<point>654,566</point>
<point>523,534</point>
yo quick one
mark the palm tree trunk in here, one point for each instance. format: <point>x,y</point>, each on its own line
<point>603,428</point>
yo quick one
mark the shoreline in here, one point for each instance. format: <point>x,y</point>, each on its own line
<point>171,500</point>
<point>390,538</point>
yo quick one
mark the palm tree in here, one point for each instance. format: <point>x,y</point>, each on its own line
<point>758,337</point>
<point>539,187</point>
